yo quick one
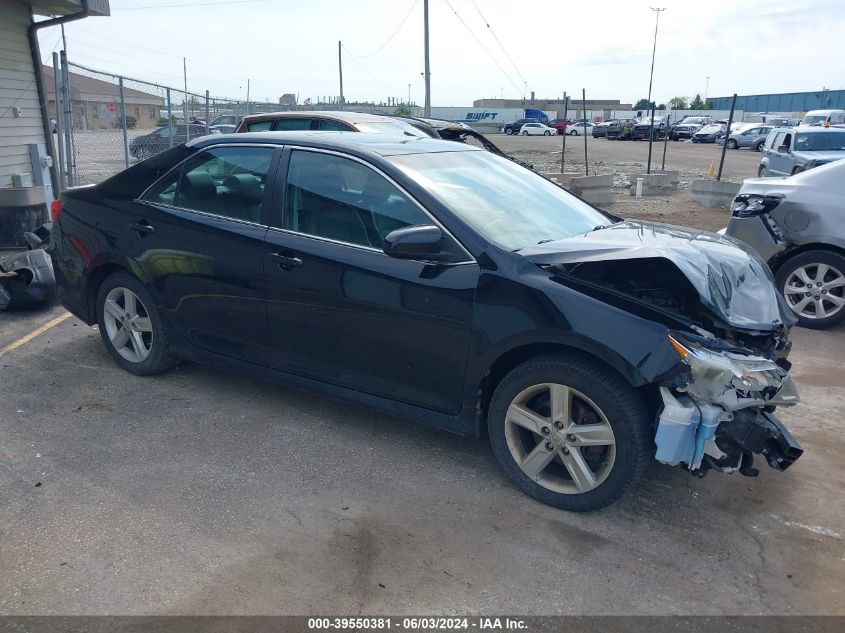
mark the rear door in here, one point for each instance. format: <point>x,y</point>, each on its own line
<point>342,311</point>
<point>195,237</point>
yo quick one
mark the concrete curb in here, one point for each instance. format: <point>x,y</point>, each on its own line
<point>714,194</point>
<point>594,189</point>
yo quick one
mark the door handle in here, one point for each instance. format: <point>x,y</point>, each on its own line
<point>142,228</point>
<point>286,260</point>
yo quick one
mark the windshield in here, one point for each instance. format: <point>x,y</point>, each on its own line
<point>813,120</point>
<point>390,127</point>
<point>692,121</point>
<point>507,204</point>
<point>820,142</point>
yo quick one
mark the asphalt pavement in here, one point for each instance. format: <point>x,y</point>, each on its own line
<point>204,492</point>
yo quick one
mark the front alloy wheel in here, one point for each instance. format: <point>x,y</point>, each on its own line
<point>568,431</point>
<point>813,285</point>
<point>560,438</point>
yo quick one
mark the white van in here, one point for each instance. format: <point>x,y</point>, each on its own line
<point>824,117</point>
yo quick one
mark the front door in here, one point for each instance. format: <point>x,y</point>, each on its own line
<point>342,311</point>
<point>195,237</point>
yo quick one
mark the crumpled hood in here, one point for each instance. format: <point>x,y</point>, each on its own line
<point>731,280</point>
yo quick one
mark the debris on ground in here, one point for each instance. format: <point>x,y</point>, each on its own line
<point>27,279</point>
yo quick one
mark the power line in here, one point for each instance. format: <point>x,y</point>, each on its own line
<point>498,41</point>
<point>389,39</point>
<point>481,44</point>
<point>368,73</point>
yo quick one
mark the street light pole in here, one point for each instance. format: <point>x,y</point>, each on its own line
<point>427,108</point>
<point>657,11</point>
<point>706,88</point>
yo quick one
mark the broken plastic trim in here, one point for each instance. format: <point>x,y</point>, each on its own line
<point>26,280</point>
<point>733,379</point>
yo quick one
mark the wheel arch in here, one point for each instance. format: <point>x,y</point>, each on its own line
<point>781,258</point>
<point>92,287</point>
<point>511,358</point>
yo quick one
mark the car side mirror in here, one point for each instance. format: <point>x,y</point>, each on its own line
<point>415,242</point>
<point>783,149</point>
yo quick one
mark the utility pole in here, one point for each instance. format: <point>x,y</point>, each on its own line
<point>247,97</point>
<point>409,94</point>
<point>427,108</point>
<point>653,50</point>
<point>706,88</point>
<point>657,11</point>
<point>340,71</point>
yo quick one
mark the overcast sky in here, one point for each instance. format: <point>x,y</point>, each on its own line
<point>748,47</point>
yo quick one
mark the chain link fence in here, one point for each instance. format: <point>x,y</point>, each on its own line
<point>106,122</point>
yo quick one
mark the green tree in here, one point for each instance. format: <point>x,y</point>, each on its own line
<point>644,104</point>
<point>708,105</point>
<point>662,106</point>
<point>697,103</point>
<point>402,111</point>
<point>678,103</point>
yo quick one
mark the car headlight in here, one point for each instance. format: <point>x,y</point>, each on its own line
<point>731,378</point>
<point>748,205</point>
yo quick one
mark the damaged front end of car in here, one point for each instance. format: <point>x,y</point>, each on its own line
<point>724,320</point>
<point>720,411</point>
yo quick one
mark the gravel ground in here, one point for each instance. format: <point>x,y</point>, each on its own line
<point>624,158</point>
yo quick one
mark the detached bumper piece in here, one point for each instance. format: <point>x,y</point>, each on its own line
<point>755,431</point>
<point>26,280</point>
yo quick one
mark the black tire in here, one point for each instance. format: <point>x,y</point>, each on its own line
<point>761,172</point>
<point>508,131</point>
<point>160,358</point>
<point>758,147</point>
<point>732,144</point>
<point>622,406</point>
<point>525,133</point>
<point>573,133</point>
<point>142,153</point>
<point>808,259</point>
<point>797,169</point>
<point>547,133</point>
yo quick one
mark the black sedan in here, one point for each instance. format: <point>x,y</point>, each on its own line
<point>442,283</point>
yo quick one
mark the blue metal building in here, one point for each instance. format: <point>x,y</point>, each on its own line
<point>785,102</point>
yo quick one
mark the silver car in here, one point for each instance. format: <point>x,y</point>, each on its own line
<point>797,224</point>
<point>752,137</point>
<point>789,150</point>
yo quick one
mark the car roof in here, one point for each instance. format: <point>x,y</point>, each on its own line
<point>349,117</point>
<point>381,144</point>
<point>809,129</point>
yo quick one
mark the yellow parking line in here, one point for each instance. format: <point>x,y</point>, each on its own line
<point>26,339</point>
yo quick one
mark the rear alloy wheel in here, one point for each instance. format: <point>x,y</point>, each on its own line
<point>568,432</point>
<point>131,326</point>
<point>813,284</point>
<point>142,153</point>
<point>732,144</point>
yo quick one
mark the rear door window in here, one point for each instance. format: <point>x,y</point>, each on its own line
<point>223,181</point>
<point>292,124</point>
<point>259,126</point>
